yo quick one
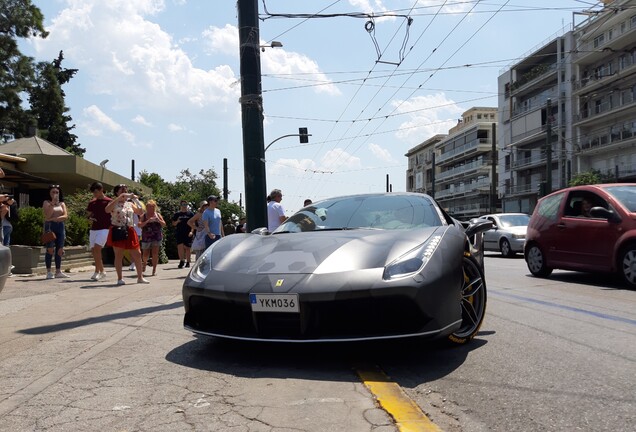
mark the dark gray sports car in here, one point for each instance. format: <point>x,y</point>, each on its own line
<point>358,267</point>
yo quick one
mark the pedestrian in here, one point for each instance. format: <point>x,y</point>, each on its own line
<point>55,214</point>
<point>9,215</point>
<point>275,210</point>
<point>183,233</point>
<point>151,224</point>
<point>196,226</point>
<point>229,227</point>
<point>242,225</point>
<point>100,224</point>
<point>122,236</point>
<point>212,222</point>
<point>307,202</point>
<point>139,234</point>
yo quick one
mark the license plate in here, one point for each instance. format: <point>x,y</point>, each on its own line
<point>274,302</point>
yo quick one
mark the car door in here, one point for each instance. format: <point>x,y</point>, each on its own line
<point>491,237</point>
<point>585,243</point>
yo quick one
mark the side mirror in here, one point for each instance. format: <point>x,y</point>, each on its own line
<point>261,231</point>
<point>603,213</point>
<point>476,226</point>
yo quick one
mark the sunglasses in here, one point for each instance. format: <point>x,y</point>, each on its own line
<point>54,186</point>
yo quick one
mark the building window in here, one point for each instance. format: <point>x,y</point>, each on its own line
<point>599,40</point>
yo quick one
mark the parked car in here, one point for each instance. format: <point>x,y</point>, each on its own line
<point>585,228</point>
<point>508,233</point>
<point>372,266</point>
<point>5,265</point>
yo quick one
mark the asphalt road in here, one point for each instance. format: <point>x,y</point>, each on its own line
<point>553,354</point>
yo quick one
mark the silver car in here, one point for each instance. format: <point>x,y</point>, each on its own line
<point>508,233</point>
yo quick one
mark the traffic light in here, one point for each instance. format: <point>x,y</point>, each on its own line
<point>304,137</point>
<point>542,189</point>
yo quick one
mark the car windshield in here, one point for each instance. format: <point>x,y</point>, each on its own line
<point>514,220</point>
<point>625,194</point>
<point>392,212</point>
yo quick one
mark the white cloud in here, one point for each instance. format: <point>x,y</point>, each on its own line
<point>381,153</point>
<point>428,115</point>
<point>175,128</point>
<point>222,40</point>
<point>133,59</point>
<point>97,121</point>
<point>338,159</point>
<point>139,119</point>
<point>291,166</point>
<point>273,60</point>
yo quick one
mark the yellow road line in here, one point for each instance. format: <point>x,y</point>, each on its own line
<point>407,414</point>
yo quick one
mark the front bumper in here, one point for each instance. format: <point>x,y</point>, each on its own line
<point>353,311</point>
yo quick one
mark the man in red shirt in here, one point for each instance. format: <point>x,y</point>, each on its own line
<point>99,229</point>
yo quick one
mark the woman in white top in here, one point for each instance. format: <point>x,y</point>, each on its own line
<point>55,214</point>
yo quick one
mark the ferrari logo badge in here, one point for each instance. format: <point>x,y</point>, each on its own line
<point>279,283</point>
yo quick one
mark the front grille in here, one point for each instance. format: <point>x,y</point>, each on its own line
<point>333,319</point>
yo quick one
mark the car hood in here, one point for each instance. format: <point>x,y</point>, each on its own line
<point>316,251</point>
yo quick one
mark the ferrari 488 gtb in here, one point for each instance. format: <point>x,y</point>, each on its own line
<point>358,267</point>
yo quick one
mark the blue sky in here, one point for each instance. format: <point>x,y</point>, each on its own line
<point>158,82</point>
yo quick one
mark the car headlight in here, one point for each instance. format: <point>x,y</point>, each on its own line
<point>203,265</point>
<point>412,261</point>
<point>519,236</point>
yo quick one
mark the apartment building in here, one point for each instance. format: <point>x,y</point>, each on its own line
<point>604,92</point>
<point>534,119</point>
<point>420,175</point>
<point>458,167</point>
<point>569,107</point>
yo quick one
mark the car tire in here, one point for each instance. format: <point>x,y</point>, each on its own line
<point>535,259</point>
<point>472,303</point>
<point>627,265</point>
<point>505,248</point>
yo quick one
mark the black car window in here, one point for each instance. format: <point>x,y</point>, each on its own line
<point>514,220</point>
<point>548,207</point>
<point>365,211</point>
<point>580,202</point>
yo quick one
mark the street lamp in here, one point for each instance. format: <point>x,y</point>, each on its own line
<point>272,44</point>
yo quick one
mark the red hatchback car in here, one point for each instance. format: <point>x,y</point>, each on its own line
<point>585,228</point>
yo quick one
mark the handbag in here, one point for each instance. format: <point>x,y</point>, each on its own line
<point>47,237</point>
<point>120,233</point>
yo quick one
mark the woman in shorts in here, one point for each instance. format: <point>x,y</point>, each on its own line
<point>151,224</point>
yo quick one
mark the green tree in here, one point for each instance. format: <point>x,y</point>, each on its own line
<point>195,187</point>
<point>48,107</point>
<point>18,19</point>
<point>593,176</point>
<point>154,181</point>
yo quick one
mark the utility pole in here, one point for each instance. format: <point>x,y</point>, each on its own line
<point>387,183</point>
<point>493,175</point>
<point>432,193</point>
<point>548,147</point>
<point>225,192</point>
<point>252,114</point>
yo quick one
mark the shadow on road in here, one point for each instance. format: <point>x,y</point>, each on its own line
<point>99,319</point>
<point>601,280</point>
<point>328,361</point>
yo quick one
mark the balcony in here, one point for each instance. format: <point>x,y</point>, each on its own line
<point>464,170</point>
<point>479,145</point>
<point>603,110</point>
<point>535,77</point>
<point>608,138</point>
<point>476,188</point>
<point>529,162</point>
<point>525,189</point>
